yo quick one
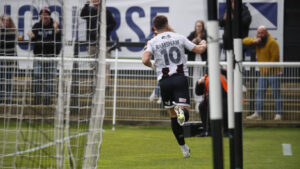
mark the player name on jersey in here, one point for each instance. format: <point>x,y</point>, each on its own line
<point>167,44</point>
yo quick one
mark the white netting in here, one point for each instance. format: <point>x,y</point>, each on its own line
<point>52,87</point>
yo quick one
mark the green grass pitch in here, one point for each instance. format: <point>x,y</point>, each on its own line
<point>156,148</point>
<point>153,147</point>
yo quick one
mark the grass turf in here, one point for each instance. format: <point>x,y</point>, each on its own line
<point>153,147</point>
<point>156,148</point>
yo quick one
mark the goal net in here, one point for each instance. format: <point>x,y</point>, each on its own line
<point>52,83</point>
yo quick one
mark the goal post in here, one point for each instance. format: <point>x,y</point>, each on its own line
<point>94,139</point>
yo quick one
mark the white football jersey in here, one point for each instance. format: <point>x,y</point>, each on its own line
<point>168,51</point>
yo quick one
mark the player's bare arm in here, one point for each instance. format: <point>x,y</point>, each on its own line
<point>200,48</point>
<point>146,58</point>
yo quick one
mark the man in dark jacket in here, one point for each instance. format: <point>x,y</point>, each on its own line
<point>92,16</point>
<point>246,19</point>
<point>245,25</point>
<point>46,41</point>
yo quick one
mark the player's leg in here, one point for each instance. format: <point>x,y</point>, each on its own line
<point>178,133</point>
<point>182,113</point>
<point>181,98</point>
<point>167,98</point>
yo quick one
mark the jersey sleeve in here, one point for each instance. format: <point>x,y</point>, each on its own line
<point>148,47</point>
<point>188,44</point>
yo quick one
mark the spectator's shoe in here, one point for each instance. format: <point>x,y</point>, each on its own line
<point>152,96</point>
<point>180,115</point>
<point>254,116</point>
<point>277,117</point>
<point>185,151</point>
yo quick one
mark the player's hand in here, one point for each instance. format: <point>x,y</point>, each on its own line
<point>202,42</point>
<point>30,34</point>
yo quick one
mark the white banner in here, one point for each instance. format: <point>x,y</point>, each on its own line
<point>269,13</point>
<point>134,17</point>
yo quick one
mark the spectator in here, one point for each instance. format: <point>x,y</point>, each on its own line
<point>267,50</point>
<point>92,16</point>
<point>46,40</point>
<point>7,48</point>
<point>195,72</point>
<point>245,19</point>
<point>201,88</point>
<point>196,36</point>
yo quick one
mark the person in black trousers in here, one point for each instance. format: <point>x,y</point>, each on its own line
<point>46,40</point>
<point>91,14</point>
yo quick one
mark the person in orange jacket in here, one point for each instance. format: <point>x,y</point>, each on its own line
<point>201,88</point>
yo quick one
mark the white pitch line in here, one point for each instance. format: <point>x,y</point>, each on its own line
<point>45,145</point>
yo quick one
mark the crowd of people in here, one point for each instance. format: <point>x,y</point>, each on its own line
<point>46,40</point>
<point>172,72</point>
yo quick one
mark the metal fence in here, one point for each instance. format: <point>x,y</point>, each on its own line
<point>135,84</point>
<point>130,85</point>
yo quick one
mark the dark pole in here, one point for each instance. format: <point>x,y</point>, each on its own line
<point>228,41</point>
<point>228,46</point>
<point>215,98</point>
<point>238,95</point>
